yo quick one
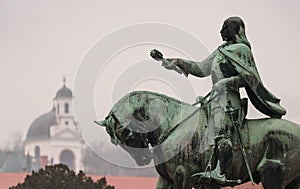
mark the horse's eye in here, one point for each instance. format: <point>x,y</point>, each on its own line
<point>125,133</point>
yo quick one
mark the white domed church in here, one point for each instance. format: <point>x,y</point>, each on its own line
<point>53,137</point>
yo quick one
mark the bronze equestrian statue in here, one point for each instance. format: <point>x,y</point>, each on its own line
<point>224,149</point>
<point>175,139</point>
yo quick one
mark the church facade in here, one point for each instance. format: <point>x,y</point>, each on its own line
<point>53,137</point>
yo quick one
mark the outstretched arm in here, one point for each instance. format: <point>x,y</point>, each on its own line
<point>190,67</point>
<point>196,68</point>
<point>199,69</point>
<point>158,56</point>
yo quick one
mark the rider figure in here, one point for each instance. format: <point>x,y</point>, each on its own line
<point>231,67</point>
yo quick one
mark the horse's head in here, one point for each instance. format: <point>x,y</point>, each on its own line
<point>141,118</point>
<point>123,132</point>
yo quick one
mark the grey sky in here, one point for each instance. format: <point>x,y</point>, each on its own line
<point>43,40</point>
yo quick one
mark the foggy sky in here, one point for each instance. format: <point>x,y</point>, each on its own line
<point>43,40</point>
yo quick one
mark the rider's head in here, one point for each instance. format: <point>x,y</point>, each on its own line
<point>233,30</point>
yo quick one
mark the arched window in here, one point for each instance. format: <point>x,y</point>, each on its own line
<point>37,152</point>
<point>67,157</point>
<point>57,108</point>
<point>66,108</point>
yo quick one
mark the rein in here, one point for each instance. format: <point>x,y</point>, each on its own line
<point>203,104</point>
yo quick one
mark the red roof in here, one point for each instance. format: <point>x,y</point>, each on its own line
<point>129,182</point>
<point>11,179</point>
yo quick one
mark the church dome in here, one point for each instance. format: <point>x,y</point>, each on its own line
<point>64,92</point>
<point>40,127</point>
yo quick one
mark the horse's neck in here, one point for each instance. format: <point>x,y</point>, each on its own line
<point>176,112</point>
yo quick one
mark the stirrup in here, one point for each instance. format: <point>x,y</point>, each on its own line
<point>216,176</point>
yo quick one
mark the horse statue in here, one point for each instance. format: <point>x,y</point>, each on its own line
<point>152,126</point>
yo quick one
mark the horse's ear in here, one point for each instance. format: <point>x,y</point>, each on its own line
<point>101,123</point>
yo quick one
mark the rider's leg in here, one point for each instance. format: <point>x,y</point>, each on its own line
<point>224,146</point>
<point>223,150</point>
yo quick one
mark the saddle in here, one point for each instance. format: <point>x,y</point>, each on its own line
<point>240,117</point>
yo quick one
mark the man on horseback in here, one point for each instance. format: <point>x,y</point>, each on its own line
<point>231,67</point>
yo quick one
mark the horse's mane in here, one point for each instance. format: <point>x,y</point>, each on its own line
<point>135,93</point>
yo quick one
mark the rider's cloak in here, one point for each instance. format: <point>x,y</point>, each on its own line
<point>240,55</point>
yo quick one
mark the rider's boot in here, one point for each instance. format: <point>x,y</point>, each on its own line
<point>224,153</point>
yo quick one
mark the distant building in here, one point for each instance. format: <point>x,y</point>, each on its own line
<point>15,163</point>
<point>53,137</point>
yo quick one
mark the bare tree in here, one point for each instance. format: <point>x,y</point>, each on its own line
<point>15,143</point>
<point>13,148</point>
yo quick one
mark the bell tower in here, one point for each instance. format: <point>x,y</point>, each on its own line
<point>63,103</point>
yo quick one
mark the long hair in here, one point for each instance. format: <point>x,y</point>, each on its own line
<point>236,28</point>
